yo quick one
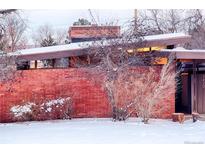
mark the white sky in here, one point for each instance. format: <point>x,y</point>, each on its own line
<point>65,18</point>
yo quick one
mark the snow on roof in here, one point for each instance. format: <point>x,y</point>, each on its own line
<point>181,49</point>
<point>165,36</point>
<point>170,38</point>
<point>67,47</point>
<point>182,53</point>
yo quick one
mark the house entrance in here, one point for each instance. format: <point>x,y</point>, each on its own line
<point>198,93</point>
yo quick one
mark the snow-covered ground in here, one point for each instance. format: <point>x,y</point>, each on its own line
<point>103,131</point>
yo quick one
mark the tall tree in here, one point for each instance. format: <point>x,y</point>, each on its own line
<point>16,27</point>
<point>7,63</point>
<point>112,59</point>
<point>195,25</point>
<point>157,21</point>
<point>13,28</point>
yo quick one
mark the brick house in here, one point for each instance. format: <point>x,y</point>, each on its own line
<point>89,98</point>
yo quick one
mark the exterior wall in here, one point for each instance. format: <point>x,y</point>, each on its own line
<point>82,85</point>
<point>37,85</point>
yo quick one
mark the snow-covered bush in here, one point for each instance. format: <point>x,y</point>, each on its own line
<point>22,112</point>
<point>56,102</point>
<point>60,108</point>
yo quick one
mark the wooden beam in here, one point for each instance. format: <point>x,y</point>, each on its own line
<point>36,63</point>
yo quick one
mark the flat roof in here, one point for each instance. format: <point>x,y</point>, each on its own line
<point>77,49</point>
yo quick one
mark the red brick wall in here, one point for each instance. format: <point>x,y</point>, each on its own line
<point>88,96</point>
<point>84,86</point>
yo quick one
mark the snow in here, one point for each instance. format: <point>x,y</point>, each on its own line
<point>20,110</point>
<point>166,36</point>
<point>83,131</point>
<point>182,53</point>
<point>183,50</point>
<point>50,49</point>
<point>55,102</point>
<point>59,101</point>
<point>49,109</point>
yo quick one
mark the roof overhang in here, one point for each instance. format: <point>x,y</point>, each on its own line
<point>186,54</point>
<point>77,49</point>
<point>166,39</point>
<point>51,55</point>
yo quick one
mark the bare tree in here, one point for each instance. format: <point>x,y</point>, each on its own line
<point>47,32</point>
<point>195,25</point>
<point>44,32</point>
<point>3,39</point>
<point>7,67</point>
<point>190,21</point>
<point>141,91</point>
<point>157,21</point>
<point>45,36</point>
<point>111,58</point>
<point>7,62</point>
<point>14,27</point>
<point>154,91</point>
<point>60,36</point>
<point>130,91</point>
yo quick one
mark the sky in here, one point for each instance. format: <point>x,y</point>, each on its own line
<point>63,19</point>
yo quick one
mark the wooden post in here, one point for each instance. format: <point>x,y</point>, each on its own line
<point>195,116</point>
<point>88,59</point>
<point>178,117</point>
<point>35,64</point>
<point>53,63</point>
<point>194,107</point>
